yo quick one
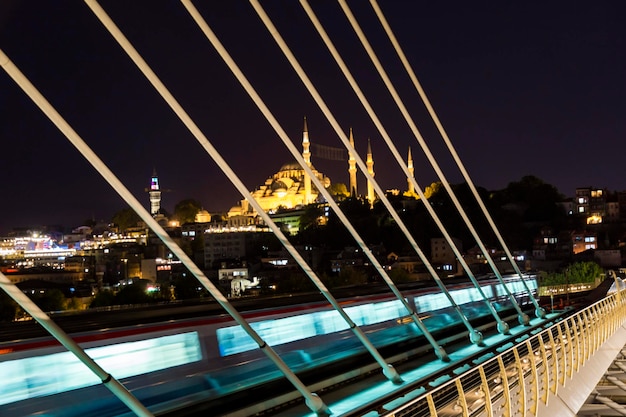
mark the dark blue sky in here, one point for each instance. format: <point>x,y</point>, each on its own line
<point>521,88</point>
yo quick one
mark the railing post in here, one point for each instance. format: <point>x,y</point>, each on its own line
<point>570,350</point>
<point>554,364</point>
<point>521,383</point>
<point>504,380</point>
<point>485,387</point>
<point>462,400</point>
<point>534,371</point>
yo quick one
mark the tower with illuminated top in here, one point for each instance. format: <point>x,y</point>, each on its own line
<point>352,168</point>
<point>155,194</point>
<point>409,162</point>
<point>306,155</point>
<point>370,169</point>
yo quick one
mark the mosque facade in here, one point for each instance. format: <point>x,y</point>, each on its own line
<point>291,187</point>
<point>288,188</point>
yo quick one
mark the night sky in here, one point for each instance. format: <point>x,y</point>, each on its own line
<point>522,88</point>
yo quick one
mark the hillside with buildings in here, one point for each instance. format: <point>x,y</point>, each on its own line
<point>545,231</point>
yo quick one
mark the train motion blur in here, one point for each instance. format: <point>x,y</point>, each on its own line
<point>176,363</point>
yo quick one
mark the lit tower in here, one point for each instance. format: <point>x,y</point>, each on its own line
<point>155,194</point>
<point>370,169</point>
<point>352,168</point>
<point>409,164</point>
<point>306,155</point>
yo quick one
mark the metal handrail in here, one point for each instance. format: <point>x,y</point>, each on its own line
<point>516,381</point>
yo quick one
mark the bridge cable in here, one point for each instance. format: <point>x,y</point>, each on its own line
<point>311,399</point>
<point>201,138</point>
<point>522,317</point>
<point>501,325</point>
<point>539,311</point>
<point>388,370</point>
<point>160,232</point>
<point>26,303</point>
<point>289,144</point>
<point>475,336</point>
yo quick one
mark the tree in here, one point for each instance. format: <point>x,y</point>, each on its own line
<point>103,299</point>
<point>309,218</point>
<point>399,275</point>
<point>524,207</point>
<point>50,300</point>
<point>584,272</point>
<point>132,294</point>
<point>348,276</point>
<point>73,304</point>
<point>576,273</point>
<point>126,218</point>
<point>185,211</point>
<point>187,288</point>
<point>339,191</point>
<point>8,308</point>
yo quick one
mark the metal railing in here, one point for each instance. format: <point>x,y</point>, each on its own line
<point>516,381</point>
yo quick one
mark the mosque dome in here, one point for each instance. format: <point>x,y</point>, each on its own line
<point>283,183</point>
<point>291,166</point>
<point>290,186</point>
<point>236,210</point>
<point>203,216</point>
<point>292,169</point>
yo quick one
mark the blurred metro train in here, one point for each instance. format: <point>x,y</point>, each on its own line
<point>173,364</point>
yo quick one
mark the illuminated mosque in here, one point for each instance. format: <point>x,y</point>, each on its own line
<point>291,187</point>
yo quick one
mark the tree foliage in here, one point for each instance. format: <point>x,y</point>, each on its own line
<point>309,218</point>
<point>8,308</point>
<point>50,300</point>
<point>577,273</point>
<point>126,218</point>
<point>188,288</point>
<point>132,294</point>
<point>399,275</point>
<point>339,190</point>
<point>349,276</point>
<point>185,211</point>
<point>103,299</point>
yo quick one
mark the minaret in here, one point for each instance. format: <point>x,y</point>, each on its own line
<point>155,195</point>
<point>370,169</point>
<point>306,155</point>
<point>352,168</point>
<point>409,163</point>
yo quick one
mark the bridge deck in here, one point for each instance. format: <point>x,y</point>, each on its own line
<point>364,396</point>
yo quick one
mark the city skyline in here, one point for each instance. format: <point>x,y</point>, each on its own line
<point>518,91</point>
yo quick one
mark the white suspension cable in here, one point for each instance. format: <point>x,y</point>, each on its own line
<point>31,308</point>
<point>522,317</point>
<point>289,144</point>
<point>502,326</point>
<point>475,336</point>
<point>618,408</point>
<point>539,312</point>
<point>617,382</point>
<point>312,400</point>
<point>388,370</point>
